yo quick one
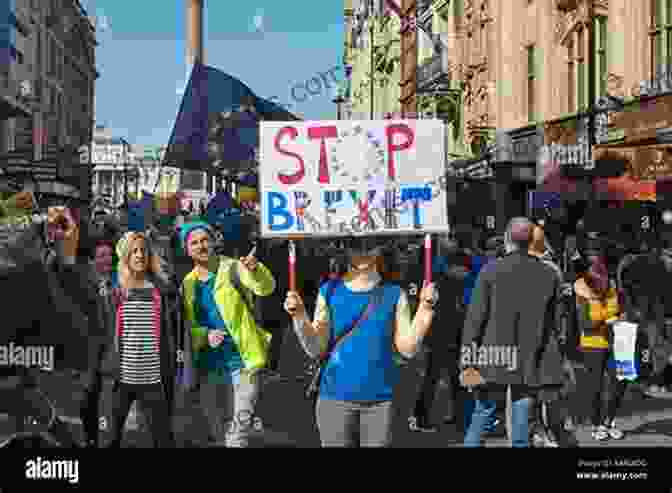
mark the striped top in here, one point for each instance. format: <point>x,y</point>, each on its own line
<point>140,359</point>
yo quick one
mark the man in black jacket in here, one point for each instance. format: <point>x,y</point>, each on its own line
<point>640,279</point>
<point>274,254</point>
<point>510,335</point>
<point>77,279</point>
<point>443,342</point>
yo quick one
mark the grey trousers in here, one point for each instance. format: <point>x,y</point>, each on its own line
<point>229,406</point>
<point>354,424</point>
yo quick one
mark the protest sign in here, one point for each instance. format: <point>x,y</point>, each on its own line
<point>339,178</point>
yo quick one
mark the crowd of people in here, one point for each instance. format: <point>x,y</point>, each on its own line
<point>156,330</point>
<point>600,279</point>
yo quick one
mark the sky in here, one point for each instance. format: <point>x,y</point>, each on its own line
<point>265,44</point>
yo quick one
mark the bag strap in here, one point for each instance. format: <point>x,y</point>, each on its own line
<point>374,300</point>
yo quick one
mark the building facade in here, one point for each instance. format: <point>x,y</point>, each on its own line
<point>47,80</point>
<point>527,78</point>
<point>373,46</point>
<point>123,169</point>
<point>113,163</point>
<point>409,58</point>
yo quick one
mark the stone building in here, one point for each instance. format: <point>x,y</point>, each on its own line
<point>409,58</point>
<point>376,96</point>
<point>47,79</point>
<point>524,71</point>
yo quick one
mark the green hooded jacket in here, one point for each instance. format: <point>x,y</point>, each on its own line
<point>251,341</point>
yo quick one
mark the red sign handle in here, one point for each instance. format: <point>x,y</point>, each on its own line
<point>292,266</point>
<point>428,259</point>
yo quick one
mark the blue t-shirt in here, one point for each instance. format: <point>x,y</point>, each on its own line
<point>364,366</point>
<point>225,358</point>
<point>439,265</point>
<point>477,263</point>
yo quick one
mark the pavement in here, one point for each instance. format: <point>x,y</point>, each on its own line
<point>289,422</point>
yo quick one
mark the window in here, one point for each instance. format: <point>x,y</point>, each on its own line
<point>571,78</point>
<point>661,36</point>
<point>531,82</point>
<point>19,57</point>
<point>581,70</point>
<point>51,66</point>
<point>38,49</point>
<point>602,61</point>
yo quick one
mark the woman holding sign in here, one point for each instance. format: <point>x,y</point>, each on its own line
<point>361,326</point>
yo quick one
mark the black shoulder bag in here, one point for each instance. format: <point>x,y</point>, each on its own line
<point>319,363</point>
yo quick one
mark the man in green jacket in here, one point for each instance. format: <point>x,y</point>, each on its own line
<point>227,347</point>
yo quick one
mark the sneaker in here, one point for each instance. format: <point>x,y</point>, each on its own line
<point>542,439</point>
<point>657,392</point>
<point>132,421</point>
<point>569,424</point>
<point>492,426</point>
<point>537,440</point>
<point>600,433</point>
<point>420,425</point>
<point>615,433</point>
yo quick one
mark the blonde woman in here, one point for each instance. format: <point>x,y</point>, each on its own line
<point>142,360</point>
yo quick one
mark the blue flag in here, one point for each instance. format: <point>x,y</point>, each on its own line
<point>218,121</point>
<point>220,208</point>
<point>540,200</point>
<point>136,216</point>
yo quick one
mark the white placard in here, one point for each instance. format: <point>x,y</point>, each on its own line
<point>338,178</point>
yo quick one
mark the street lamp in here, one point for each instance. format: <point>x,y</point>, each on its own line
<point>338,100</point>
<point>125,148</point>
<point>371,52</point>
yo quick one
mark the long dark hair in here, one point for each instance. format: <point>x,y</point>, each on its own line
<point>597,275</point>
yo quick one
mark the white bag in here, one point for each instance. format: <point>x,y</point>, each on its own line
<point>624,354</point>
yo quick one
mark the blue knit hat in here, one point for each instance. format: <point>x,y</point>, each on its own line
<point>189,228</point>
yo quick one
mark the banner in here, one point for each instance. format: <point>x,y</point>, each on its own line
<point>338,178</point>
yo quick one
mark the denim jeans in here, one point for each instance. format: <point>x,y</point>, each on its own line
<point>469,406</point>
<point>484,412</point>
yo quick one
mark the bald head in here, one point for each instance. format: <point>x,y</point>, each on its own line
<point>519,234</point>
